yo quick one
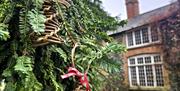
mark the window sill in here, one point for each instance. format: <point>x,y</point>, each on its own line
<point>143,88</point>
<point>143,45</point>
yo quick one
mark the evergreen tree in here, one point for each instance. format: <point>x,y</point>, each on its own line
<point>41,39</point>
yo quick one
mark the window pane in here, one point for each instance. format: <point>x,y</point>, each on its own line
<point>130,39</point>
<point>138,37</point>
<point>147,59</point>
<point>140,60</point>
<point>157,59</point>
<point>145,35</point>
<point>133,76</point>
<point>159,75</point>
<point>132,61</point>
<point>141,76</point>
<point>149,75</point>
<point>154,35</point>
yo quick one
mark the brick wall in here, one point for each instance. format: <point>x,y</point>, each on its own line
<point>149,49</point>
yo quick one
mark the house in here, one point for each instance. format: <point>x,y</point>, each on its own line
<point>144,65</point>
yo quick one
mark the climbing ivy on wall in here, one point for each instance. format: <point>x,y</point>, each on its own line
<point>171,41</point>
<point>41,39</point>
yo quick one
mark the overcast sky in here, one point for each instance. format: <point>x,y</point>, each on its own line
<point>117,7</point>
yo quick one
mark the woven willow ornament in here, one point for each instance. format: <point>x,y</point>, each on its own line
<point>52,24</point>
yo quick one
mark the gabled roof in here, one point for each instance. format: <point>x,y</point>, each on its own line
<point>148,17</point>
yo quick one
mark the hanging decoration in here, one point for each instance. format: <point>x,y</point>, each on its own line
<point>52,24</point>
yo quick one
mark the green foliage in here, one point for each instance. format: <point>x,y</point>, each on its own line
<point>60,52</point>
<point>23,20</point>
<point>4,34</point>
<point>38,3</point>
<point>114,82</point>
<point>113,47</point>
<point>100,18</point>
<point>23,65</point>
<point>27,80</point>
<point>5,11</point>
<point>47,67</point>
<point>4,6</point>
<point>28,68</point>
<point>36,20</point>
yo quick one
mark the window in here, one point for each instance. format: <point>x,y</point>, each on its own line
<point>141,37</point>
<point>154,35</point>
<point>145,36</point>
<point>138,37</point>
<point>133,75</point>
<point>146,70</point>
<point>130,39</point>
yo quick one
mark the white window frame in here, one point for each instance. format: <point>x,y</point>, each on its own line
<point>142,44</point>
<point>144,64</point>
<point>132,39</point>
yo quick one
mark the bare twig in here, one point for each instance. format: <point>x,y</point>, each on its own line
<point>73,54</point>
<point>40,44</point>
<point>65,3</point>
<point>54,41</point>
